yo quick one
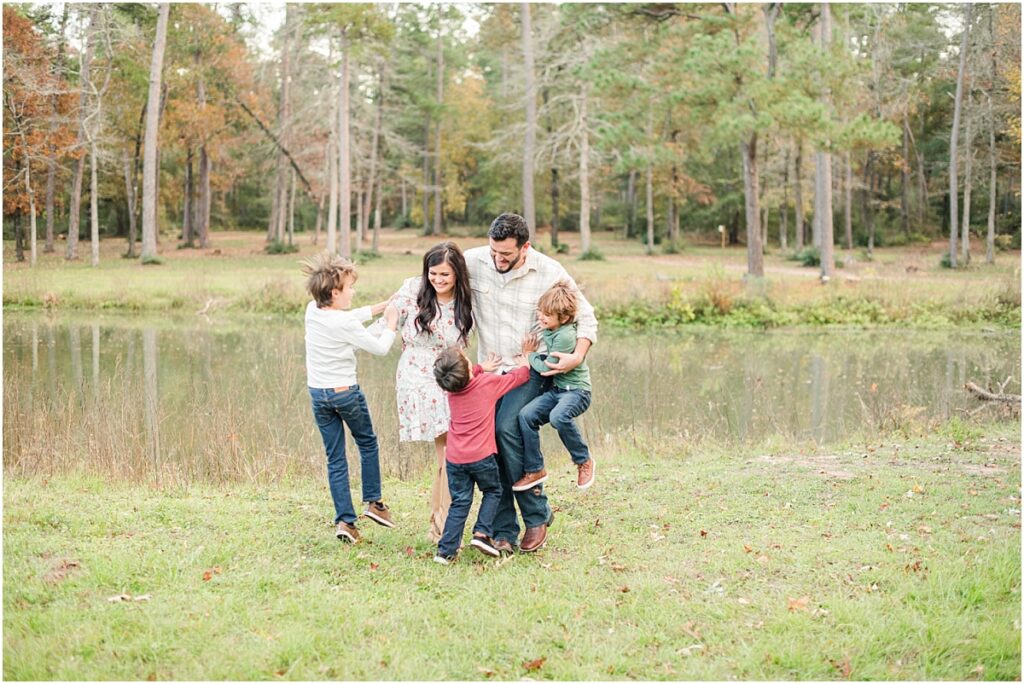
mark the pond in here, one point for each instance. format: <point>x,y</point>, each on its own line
<point>173,400</point>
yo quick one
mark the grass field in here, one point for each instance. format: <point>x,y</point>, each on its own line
<point>884,558</point>
<point>701,284</point>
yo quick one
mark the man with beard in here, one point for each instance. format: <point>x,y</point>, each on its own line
<point>507,279</point>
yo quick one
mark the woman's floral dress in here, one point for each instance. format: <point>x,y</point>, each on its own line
<point>422,405</point>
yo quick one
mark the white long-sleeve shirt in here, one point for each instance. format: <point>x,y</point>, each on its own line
<point>505,304</point>
<point>332,337</point>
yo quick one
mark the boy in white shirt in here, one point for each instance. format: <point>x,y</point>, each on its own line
<point>333,334</point>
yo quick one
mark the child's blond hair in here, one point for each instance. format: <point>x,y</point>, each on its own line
<point>559,301</point>
<point>326,273</point>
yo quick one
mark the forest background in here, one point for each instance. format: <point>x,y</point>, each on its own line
<point>870,125</point>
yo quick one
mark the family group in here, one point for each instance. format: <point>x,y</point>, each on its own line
<point>533,327</point>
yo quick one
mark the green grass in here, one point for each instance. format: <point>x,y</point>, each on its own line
<point>900,287</point>
<point>891,558</point>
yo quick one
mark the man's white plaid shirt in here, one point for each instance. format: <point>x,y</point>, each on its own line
<point>505,305</point>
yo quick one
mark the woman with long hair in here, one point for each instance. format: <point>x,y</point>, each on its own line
<point>435,311</point>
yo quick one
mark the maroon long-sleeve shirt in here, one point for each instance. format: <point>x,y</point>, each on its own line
<point>471,433</point>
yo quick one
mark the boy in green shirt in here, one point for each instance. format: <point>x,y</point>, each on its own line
<point>568,397</point>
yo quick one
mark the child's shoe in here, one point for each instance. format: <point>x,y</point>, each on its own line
<point>346,532</point>
<point>443,560</point>
<point>585,477</point>
<point>379,513</point>
<point>484,544</point>
<point>530,480</point>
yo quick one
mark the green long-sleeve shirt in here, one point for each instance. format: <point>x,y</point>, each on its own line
<point>562,339</point>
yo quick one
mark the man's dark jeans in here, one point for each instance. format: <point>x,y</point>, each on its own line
<point>332,411</point>
<point>533,503</point>
<point>559,407</point>
<point>461,478</point>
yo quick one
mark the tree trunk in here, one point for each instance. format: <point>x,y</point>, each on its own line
<point>74,214</point>
<point>319,220</point>
<point>755,251</point>
<point>437,137</point>
<point>94,212</point>
<point>405,200</point>
<point>650,183</point>
<point>149,164</point>
<point>344,154</point>
<point>203,196</point>
<point>279,196</point>
<point>965,224</point>
<point>332,208</point>
<point>784,209</point>
<point>990,239</point>
<point>377,220</point>
<point>905,178</point>
<point>372,181</point>
<point>129,192</point>
<point>827,240</point>
<point>291,212</point>
<point>584,173</point>
<point>631,204</point>
<point>51,162</point>
<point>188,208</point>
<point>798,188</point>
<point>360,194</point>
<point>529,140</point>
<point>954,138</point>
<point>426,177</point>
<point>848,201</point>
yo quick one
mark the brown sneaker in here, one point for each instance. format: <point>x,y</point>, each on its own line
<point>346,533</point>
<point>504,547</point>
<point>379,513</point>
<point>530,480</point>
<point>585,477</point>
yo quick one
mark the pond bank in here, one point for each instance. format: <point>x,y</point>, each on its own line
<point>892,558</point>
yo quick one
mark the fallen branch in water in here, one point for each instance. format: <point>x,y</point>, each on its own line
<point>985,395</point>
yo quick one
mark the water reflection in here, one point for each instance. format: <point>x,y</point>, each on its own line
<point>228,401</point>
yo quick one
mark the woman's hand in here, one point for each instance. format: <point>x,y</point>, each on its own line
<point>492,363</point>
<point>391,317</point>
<point>530,343</point>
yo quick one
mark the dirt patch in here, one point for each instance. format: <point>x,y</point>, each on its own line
<point>59,572</point>
<point>825,465</point>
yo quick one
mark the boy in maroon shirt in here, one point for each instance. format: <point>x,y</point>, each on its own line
<point>472,394</point>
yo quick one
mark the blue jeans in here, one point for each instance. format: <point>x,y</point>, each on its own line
<point>332,411</point>
<point>461,477</point>
<point>559,407</point>
<point>533,503</point>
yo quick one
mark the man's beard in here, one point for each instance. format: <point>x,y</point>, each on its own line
<point>510,266</point>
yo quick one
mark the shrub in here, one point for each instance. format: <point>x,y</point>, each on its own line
<point>365,256</point>
<point>808,256</point>
<point>1004,242</point>
<point>151,261</point>
<point>280,247</point>
<point>563,248</point>
<point>592,254</point>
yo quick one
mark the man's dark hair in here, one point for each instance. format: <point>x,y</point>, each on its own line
<point>510,225</point>
<point>451,370</point>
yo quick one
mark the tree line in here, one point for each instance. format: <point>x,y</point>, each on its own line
<point>796,126</point>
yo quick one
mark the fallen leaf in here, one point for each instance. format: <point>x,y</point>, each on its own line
<point>616,567</point>
<point>796,604</point>
<point>691,629</point>
<point>670,579</point>
<point>119,598</point>
<point>924,529</point>
<point>409,551</point>
<point>703,533</point>
<point>913,567</point>
<point>374,566</point>
<point>917,489</point>
<point>888,547</point>
<point>843,666</point>
<point>143,597</point>
<point>883,506</point>
<point>747,548</point>
<point>484,671</point>
<point>207,575</point>
<point>687,651</point>
<point>531,665</point>
<point>874,387</point>
<point>743,602</point>
<point>624,589</point>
